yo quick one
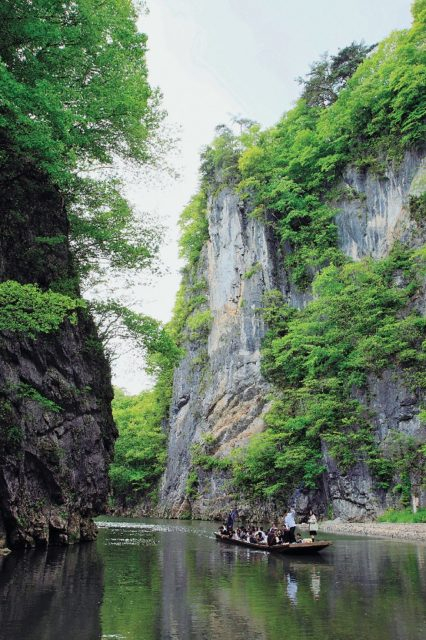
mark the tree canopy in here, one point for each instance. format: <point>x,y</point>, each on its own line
<point>74,100</point>
<point>73,84</point>
<point>330,74</point>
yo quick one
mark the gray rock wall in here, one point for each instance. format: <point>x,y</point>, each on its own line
<point>227,396</point>
<point>53,463</point>
<point>374,212</point>
<point>370,221</point>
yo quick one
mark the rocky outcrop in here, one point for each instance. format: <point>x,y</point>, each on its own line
<point>374,211</point>
<point>218,387</point>
<point>56,428</point>
<point>371,219</point>
<point>219,394</point>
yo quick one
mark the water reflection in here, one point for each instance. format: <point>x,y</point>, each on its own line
<point>292,587</point>
<point>315,583</point>
<point>51,594</point>
<point>173,581</point>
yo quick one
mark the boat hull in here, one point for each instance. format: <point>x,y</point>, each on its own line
<point>298,548</point>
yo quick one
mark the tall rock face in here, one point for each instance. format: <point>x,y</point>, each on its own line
<point>375,216</point>
<point>56,427</point>
<point>219,394</point>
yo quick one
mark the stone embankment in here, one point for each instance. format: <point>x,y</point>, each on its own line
<point>376,529</point>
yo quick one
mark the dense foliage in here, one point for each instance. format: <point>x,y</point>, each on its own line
<point>140,451</point>
<point>193,227</point>
<point>27,310</point>
<point>73,81</point>
<point>359,322</point>
<point>74,101</point>
<point>117,322</point>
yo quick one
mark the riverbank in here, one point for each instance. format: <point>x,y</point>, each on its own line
<point>401,531</point>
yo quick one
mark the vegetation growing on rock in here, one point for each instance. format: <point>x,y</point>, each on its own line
<point>363,319</point>
<point>74,100</point>
<point>360,323</point>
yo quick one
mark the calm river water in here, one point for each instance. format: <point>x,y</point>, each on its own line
<point>164,580</point>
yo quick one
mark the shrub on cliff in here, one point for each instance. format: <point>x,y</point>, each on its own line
<point>359,323</point>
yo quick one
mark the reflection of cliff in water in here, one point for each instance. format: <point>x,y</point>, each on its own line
<point>194,604</point>
<point>51,594</point>
<point>235,593</point>
<point>176,583</point>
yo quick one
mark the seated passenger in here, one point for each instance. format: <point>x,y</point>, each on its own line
<point>272,538</point>
<point>262,535</point>
<point>260,539</point>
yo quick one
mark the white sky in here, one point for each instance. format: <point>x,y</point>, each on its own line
<point>214,59</point>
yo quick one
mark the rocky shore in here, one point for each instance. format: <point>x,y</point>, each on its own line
<point>375,529</point>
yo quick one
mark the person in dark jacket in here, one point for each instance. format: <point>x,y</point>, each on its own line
<point>233,515</point>
<point>272,538</point>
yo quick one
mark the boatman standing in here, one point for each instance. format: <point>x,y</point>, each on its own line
<point>290,523</point>
<point>233,515</point>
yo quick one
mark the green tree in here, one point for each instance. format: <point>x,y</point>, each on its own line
<point>73,85</point>
<point>117,322</point>
<point>74,100</point>
<point>140,451</point>
<point>330,74</point>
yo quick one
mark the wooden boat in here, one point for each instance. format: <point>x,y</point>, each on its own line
<point>298,548</point>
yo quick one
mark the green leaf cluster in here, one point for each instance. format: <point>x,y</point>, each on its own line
<point>24,390</point>
<point>107,235</point>
<point>73,83</point>
<point>27,310</point>
<point>154,340</point>
<point>198,324</point>
<point>194,228</point>
<point>360,323</point>
<point>202,457</point>
<point>191,296</point>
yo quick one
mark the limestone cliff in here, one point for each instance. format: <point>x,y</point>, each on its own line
<point>219,394</point>
<point>56,426</point>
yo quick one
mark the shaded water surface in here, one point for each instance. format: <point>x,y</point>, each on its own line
<point>153,579</point>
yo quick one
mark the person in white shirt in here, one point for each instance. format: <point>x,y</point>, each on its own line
<point>290,523</point>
